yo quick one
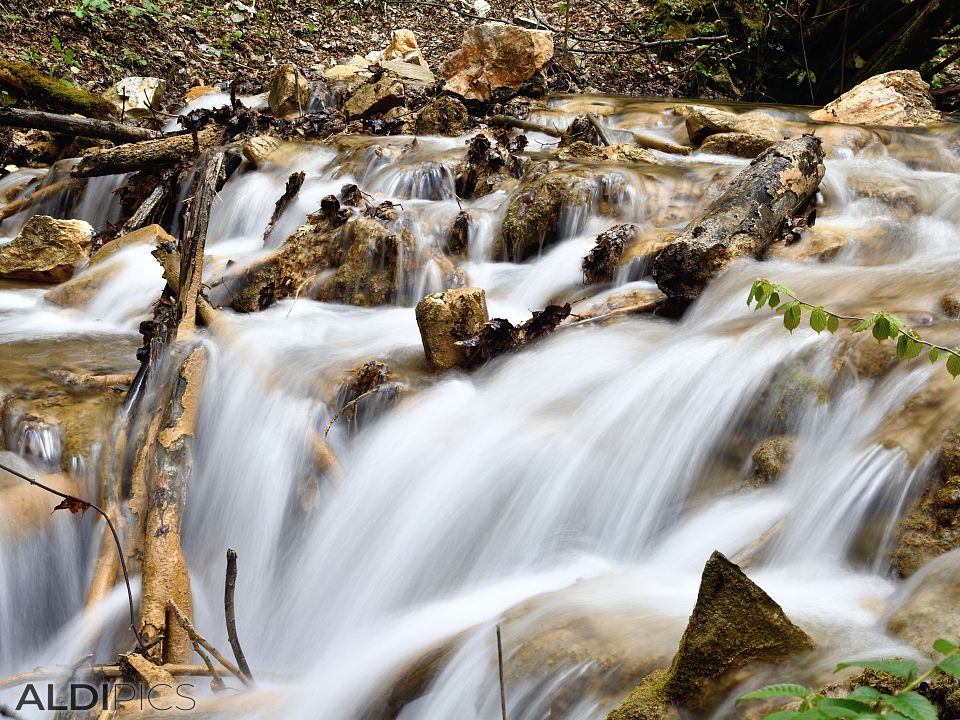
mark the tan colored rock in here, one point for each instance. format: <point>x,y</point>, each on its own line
<point>403,47</point>
<point>950,305</point>
<point>633,302</point>
<point>770,459</point>
<point>151,235</point>
<point>411,72</point>
<point>701,122</point>
<point>259,148</point>
<point>136,97</point>
<point>899,98</point>
<point>741,144</point>
<point>621,153</point>
<point>495,55</point>
<point>198,92</point>
<point>375,98</point>
<point>444,318</point>
<point>443,116</point>
<point>288,91</point>
<point>929,610</point>
<point>46,250</point>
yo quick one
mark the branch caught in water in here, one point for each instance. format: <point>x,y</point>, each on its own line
<point>883,325</point>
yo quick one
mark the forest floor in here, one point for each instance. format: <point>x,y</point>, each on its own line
<point>94,43</point>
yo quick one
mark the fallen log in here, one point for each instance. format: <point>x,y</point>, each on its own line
<point>507,121</point>
<point>69,125</point>
<point>744,220</point>
<point>28,82</point>
<point>146,155</point>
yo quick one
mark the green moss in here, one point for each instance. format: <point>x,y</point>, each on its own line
<point>647,701</point>
<point>444,116</point>
<point>28,83</point>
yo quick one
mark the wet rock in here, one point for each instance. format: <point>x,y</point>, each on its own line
<point>733,625</point>
<point>632,302</point>
<point>603,260</point>
<point>46,250</point>
<point>447,317</point>
<point>741,144</point>
<point>770,459</point>
<point>259,148</point>
<point>444,116</point>
<point>199,91</point>
<point>647,244</point>
<point>950,305</point>
<point>899,98</point>
<point>375,98</point>
<point>288,91</point>
<point>495,55</point>
<point>622,153</point>
<point>136,97</point>
<point>701,122</point>
<point>458,239</point>
<point>376,259</point>
<point>488,166</point>
<point>820,242</point>
<point>403,47</point>
<point>929,607</point>
<point>897,196</point>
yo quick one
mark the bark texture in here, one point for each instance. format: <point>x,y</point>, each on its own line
<point>146,155</point>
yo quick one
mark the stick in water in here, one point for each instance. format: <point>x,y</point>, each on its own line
<point>503,693</point>
<point>229,609</point>
<point>204,643</point>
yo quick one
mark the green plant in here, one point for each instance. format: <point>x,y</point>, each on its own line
<point>131,59</point>
<point>30,56</point>
<point>66,54</point>
<point>865,702</point>
<point>146,7</point>
<point>84,8</point>
<point>883,325</point>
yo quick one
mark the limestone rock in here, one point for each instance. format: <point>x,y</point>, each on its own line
<point>199,91</point>
<point>444,116</point>
<point>770,459</point>
<point>403,47</point>
<point>898,98</point>
<point>46,250</point>
<point>259,148</point>
<point>701,122</point>
<point>375,98</point>
<point>741,144</point>
<point>734,624</point>
<point>288,91</point>
<point>621,153</point>
<point>632,302</point>
<point>444,318</point>
<point>136,97</point>
<point>928,609</point>
<point>411,72</point>
<point>495,55</point>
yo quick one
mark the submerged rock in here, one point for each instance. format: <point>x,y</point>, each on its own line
<point>46,250</point>
<point>288,91</point>
<point>702,122</point>
<point>495,55</point>
<point>899,98</point>
<point>447,317</point>
<point>733,625</point>
<point>741,144</point>
<point>929,610</point>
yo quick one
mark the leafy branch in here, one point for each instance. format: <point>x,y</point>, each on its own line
<point>883,325</point>
<point>865,702</point>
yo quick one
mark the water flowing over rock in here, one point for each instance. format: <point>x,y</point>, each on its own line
<point>734,623</point>
<point>447,317</point>
<point>495,55</point>
<point>927,609</point>
<point>601,263</point>
<point>744,220</point>
<point>770,459</point>
<point>898,98</point>
<point>46,250</point>
<point>258,149</point>
<point>702,122</point>
<point>288,90</point>
<point>740,144</point>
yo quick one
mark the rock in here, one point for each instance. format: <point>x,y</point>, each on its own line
<point>444,116</point>
<point>409,71</point>
<point>928,606</point>
<point>770,458</point>
<point>603,260</point>
<point>899,98</point>
<point>199,91</point>
<point>897,196</point>
<point>403,47</point>
<point>136,97</point>
<point>950,305</point>
<point>702,122</point>
<point>459,237</point>
<point>46,250</point>
<point>288,91</point>
<point>744,220</point>
<point>740,144</point>
<point>375,98</point>
<point>641,253</point>
<point>444,318</point>
<point>733,625</point>
<point>632,302</point>
<point>376,260</point>
<point>259,148</point>
<point>488,166</point>
<point>495,55</point>
<point>621,153</point>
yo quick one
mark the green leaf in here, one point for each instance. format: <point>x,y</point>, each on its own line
<point>912,705</point>
<point>754,292</point>
<point>902,346</point>
<point>833,323</point>
<point>934,355</point>
<point>864,693</point>
<point>842,707</point>
<point>794,715</point>
<point>774,299</point>
<point>944,646</point>
<point>791,316</point>
<point>818,319</point>
<point>881,328</point>
<point>906,669</point>
<point>776,691</point>
<point>950,665</point>
<point>865,324</point>
<point>914,348</point>
<point>953,364</point>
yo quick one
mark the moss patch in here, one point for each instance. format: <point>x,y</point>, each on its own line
<point>27,82</point>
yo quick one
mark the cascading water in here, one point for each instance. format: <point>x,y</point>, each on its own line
<point>580,483</point>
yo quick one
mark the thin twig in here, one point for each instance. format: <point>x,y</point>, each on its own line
<point>601,130</point>
<point>198,638</point>
<point>229,588</point>
<point>352,403</point>
<point>503,692</point>
<point>116,539</point>
<point>216,680</point>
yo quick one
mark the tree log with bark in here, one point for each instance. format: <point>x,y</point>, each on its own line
<point>79,126</point>
<point>147,155</point>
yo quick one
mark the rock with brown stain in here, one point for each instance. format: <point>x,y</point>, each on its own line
<point>741,144</point>
<point>447,317</point>
<point>702,122</point>
<point>288,91</point>
<point>46,250</point>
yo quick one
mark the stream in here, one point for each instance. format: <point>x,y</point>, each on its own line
<point>571,491</point>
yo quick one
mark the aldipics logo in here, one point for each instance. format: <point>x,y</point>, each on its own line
<point>84,696</point>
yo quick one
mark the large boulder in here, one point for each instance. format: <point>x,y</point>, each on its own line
<point>447,317</point>
<point>288,91</point>
<point>734,624</point>
<point>46,250</point>
<point>898,98</point>
<point>495,55</point>
<point>926,609</point>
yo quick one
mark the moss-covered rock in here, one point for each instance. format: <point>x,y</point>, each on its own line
<point>770,459</point>
<point>444,116</point>
<point>621,153</point>
<point>25,81</point>
<point>733,625</point>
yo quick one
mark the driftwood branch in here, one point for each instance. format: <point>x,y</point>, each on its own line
<point>205,644</point>
<point>146,155</point>
<point>105,672</point>
<point>216,679</point>
<point>507,121</point>
<point>598,126</point>
<point>294,183</point>
<point>69,125</point>
<point>229,608</point>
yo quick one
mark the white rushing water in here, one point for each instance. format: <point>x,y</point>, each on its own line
<point>583,480</point>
